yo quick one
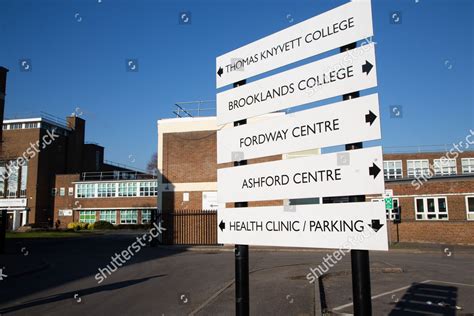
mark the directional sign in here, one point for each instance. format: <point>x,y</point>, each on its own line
<point>388,197</point>
<point>343,225</point>
<point>343,25</point>
<point>336,124</point>
<point>346,173</point>
<point>346,72</point>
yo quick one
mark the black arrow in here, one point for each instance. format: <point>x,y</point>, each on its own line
<point>374,170</point>
<point>222,225</point>
<point>376,225</point>
<point>370,118</point>
<point>367,67</point>
<point>220,71</point>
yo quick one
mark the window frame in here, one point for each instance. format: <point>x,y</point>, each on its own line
<point>394,162</point>
<point>436,211</point>
<point>467,208</point>
<point>124,219</point>
<point>88,213</point>
<point>148,216</point>
<point>439,168</point>
<point>470,166</point>
<point>105,215</point>
<point>423,170</point>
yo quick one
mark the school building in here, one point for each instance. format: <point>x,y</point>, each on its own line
<point>440,210</point>
<point>49,173</point>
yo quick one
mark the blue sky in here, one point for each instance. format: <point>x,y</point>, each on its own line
<point>78,51</point>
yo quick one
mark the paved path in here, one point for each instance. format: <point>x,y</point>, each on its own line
<point>164,281</point>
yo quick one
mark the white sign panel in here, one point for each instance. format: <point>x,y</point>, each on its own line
<point>65,213</point>
<point>340,123</point>
<point>346,72</point>
<point>335,28</point>
<point>342,225</point>
<point>13,203</point>
<point>354,172</point>
<point>209,201</point>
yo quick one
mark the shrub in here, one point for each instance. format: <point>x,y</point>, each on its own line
<point>77,226</point>
<point>103,225</point>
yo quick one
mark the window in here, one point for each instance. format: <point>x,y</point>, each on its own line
<point>417,168</point>
<point>393,214</point>
<point>31,125</point>
<point>109,216</point>
<point>85,190</point>
<point>431,208</point>
<point>87,216</point>
<point>444,167</point>
<point>146,216</point>
<point>16,126</point>
<point>470,207</point>
<point>70,191</point>
<point>5,126</point>
<point>128,189</point>
<point>467,165</point>
<point>2,179</point>
<point>54,192</point>
<point>128,217</point>
<point>392,169</point>
<point>107,190</point>
<point>148,189</point>
<point>23,180</point>
<point>62,191</point>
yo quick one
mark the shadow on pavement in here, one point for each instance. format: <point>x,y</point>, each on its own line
<point>68,260</point>
<point>423,299</point>
<point>78,294</point>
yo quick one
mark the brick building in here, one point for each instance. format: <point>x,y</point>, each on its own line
<point>441,209</point>
<point>40,158</point>
<point>435,198</point>
<point>119,197</point>
<point>187,163</point>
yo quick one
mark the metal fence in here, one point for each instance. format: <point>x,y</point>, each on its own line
<point>189,227</point>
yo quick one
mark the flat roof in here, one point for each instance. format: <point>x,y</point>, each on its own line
<point>34,120</point>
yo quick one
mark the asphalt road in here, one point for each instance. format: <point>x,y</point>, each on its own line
<point>161,281</point>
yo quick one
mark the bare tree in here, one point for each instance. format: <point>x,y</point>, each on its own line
<point>152,166</point>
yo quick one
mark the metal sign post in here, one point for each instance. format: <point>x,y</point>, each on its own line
<point>241,254</point>
<point>361,293</point>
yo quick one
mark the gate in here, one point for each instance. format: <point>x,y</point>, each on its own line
<point>189,227</point>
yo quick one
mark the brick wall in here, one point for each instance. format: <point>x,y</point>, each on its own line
<point>457,229</point>
<point>189,157</point>
<point>430,157</point>
<point>112,203</point>
<point>451,232</point>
